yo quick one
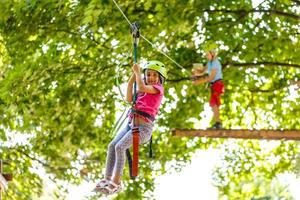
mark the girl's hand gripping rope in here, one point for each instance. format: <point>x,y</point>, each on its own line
<point>136,69</point>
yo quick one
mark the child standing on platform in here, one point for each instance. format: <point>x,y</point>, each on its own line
<point>215,76</point>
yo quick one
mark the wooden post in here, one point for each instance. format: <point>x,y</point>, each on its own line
<point>239,134</point>
<point>4,178</point>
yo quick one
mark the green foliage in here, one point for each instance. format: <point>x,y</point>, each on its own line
<point>58,64</point>
<point>239,175</point>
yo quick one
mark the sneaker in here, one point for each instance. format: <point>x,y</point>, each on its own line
<point>217,125</point>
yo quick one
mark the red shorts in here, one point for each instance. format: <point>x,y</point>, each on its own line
<point>217,88</point>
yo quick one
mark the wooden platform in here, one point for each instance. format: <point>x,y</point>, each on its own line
<point>239,134</point>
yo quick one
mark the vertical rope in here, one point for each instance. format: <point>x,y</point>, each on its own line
<point>134,61</point>
<point>135,130</point>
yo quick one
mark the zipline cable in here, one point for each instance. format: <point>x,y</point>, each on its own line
<point>153,45</point>
<point>160,51</point>
<point>122,13</point>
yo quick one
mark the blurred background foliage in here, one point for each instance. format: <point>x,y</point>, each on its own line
<point>59,61</point>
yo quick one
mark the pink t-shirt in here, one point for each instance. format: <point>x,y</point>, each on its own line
<point>150,103</point>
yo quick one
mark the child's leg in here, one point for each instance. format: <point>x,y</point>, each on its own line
<point>217,89</point>
<point>216,113</point>
<point>111,153</point>
<point>145,132</point>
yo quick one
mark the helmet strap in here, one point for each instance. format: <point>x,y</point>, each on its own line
<point>161,79</point>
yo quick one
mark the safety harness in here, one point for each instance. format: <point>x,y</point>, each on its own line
<point>143,114</point>
<point>133,164</point>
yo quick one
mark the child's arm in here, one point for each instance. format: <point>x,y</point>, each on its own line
<point>142,87</point>
<point>198,71</point>
<point>207,79</point>
<point>129,88</point>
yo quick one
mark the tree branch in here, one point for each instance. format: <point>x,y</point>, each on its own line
<point>56,168</point>
<point>296,1</point>
<point>187,78</point>
<point>179,79</point>
<point>278,12</point>
<point>228,64</point>
<point>244,12</point>
<point>263,63</point>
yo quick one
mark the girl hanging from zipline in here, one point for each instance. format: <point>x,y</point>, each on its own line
<point>149,96</point>
<point>215,76</point>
